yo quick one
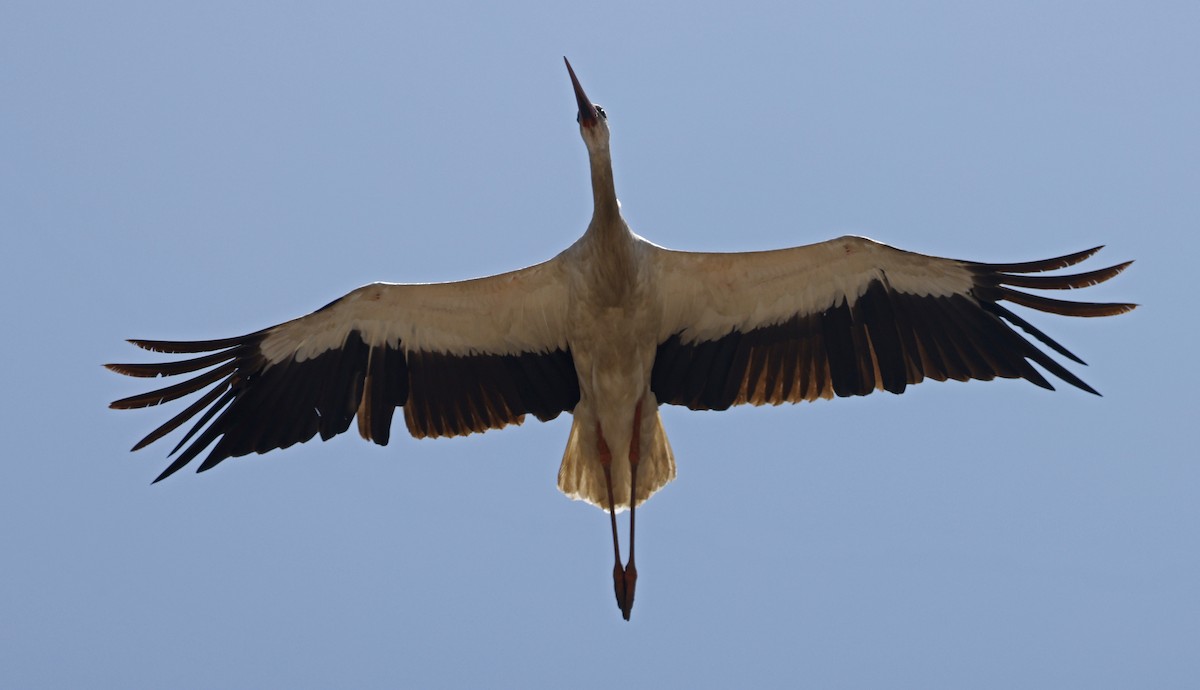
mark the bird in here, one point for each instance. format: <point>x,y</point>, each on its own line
<point>609,330</point>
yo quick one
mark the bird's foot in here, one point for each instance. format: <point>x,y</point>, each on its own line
<point>619,587</point>
<point>630,583</point>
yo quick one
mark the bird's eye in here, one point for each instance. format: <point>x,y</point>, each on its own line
<point>599,111</point>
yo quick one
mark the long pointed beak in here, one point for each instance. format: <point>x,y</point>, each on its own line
<point>587,112</point>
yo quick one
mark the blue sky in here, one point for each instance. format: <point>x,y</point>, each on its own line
<point>202,170</point>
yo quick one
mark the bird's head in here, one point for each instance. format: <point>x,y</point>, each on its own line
<point>593,122</point>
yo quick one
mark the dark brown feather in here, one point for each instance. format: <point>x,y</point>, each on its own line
<point>1064,282</point>
<point>178,390</point>
<point>1063,307</point>
<point>1039,266</point>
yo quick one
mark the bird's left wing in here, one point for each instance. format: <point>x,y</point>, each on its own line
<point>459,357</point>
<point>849,316</point>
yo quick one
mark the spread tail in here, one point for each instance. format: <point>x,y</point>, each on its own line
<point>581,476</point>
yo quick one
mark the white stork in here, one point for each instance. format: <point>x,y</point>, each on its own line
<point>608,330</point>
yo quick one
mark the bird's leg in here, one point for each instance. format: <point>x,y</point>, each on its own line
<point>618,571</point>
<point>635,450</point>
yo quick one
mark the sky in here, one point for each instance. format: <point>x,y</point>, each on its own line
<point>202,170</point>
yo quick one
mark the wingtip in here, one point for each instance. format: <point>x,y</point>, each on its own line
<point>114,367</point>
<point>122,369</point>
<point>172,469</point>
<point>1119,269</point>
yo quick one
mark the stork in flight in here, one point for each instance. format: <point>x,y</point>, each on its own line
<point>608,330</point>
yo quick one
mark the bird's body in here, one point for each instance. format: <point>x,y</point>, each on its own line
<point>615,317</point>
<point>613,320</point>
<point>608,330</point>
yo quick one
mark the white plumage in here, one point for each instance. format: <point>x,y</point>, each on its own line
<point>608,330</point>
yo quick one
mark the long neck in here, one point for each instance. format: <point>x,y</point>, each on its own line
<point>607,212</point>
<point>608,238</point>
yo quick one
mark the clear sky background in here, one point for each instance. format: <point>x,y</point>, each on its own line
<point>197,170</point>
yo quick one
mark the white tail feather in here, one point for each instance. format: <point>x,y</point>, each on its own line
<point>581,476</point>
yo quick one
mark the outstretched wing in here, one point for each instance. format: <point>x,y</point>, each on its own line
<point>458,357</point>
<point>849,316</point>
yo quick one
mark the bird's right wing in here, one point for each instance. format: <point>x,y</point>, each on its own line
<point>458,357</point>
<point>849,316</point>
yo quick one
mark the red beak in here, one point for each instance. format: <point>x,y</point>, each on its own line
<point>587,112</point>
